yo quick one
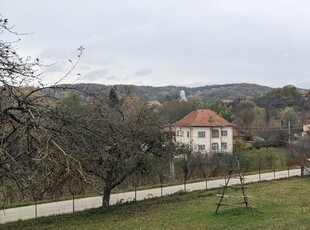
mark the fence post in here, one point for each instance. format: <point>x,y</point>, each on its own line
<point>73,208</point>
<point>288,171</point>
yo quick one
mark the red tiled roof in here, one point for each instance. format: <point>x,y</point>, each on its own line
<point>203,117</point>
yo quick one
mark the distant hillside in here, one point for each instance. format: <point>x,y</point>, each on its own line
<point>228,91</point>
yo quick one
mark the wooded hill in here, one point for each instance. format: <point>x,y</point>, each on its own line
<point>227,91</point>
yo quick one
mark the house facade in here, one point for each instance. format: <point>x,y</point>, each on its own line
<point>205,131</point>
<point>306,128</point>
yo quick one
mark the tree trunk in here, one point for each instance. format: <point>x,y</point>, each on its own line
<point>106,195</point>
<point>36,209</point>
<point>135,193</point>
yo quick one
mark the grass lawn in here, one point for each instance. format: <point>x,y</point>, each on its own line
<point>285,204</point>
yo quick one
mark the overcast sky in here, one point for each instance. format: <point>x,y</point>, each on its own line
<point>168,42</point>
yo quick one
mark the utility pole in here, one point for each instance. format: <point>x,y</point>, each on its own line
<point>289,132</point>
<point>172,171</point>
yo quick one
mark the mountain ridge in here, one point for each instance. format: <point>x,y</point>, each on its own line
<point>225,91</point>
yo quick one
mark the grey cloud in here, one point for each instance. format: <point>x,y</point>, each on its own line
<point>97,74</point>
<point>143,72</point>
<point>112,78</point>
<point>59,52</point>
<point>55,67</point>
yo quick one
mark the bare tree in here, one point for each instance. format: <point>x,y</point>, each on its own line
<point>32,155</point>
<point>203,162</point>
<point>188,160</point>
<point>119,137</point>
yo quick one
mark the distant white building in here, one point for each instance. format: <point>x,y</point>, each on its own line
<point>183,96</point>
<point>205,131</point>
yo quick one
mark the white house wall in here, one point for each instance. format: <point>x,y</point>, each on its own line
<point>189,136</point>
<point>306,127</point>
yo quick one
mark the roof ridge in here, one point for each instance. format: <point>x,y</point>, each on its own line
<point>203,117</point>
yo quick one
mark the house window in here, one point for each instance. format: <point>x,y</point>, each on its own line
<point>224,133</point>
<point>187,133</point>
<point>201,147</point>
<point>178,133</point>
<point>215,133</point>
<point>223,145</point>
<point>215,147</point>
<point>201,134</point>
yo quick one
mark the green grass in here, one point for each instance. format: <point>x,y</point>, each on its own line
<point>285,204</point>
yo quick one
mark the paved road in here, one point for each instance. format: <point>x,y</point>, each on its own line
<point>56,208</point>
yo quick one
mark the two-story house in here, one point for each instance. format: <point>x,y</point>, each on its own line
<point>205,131</point>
